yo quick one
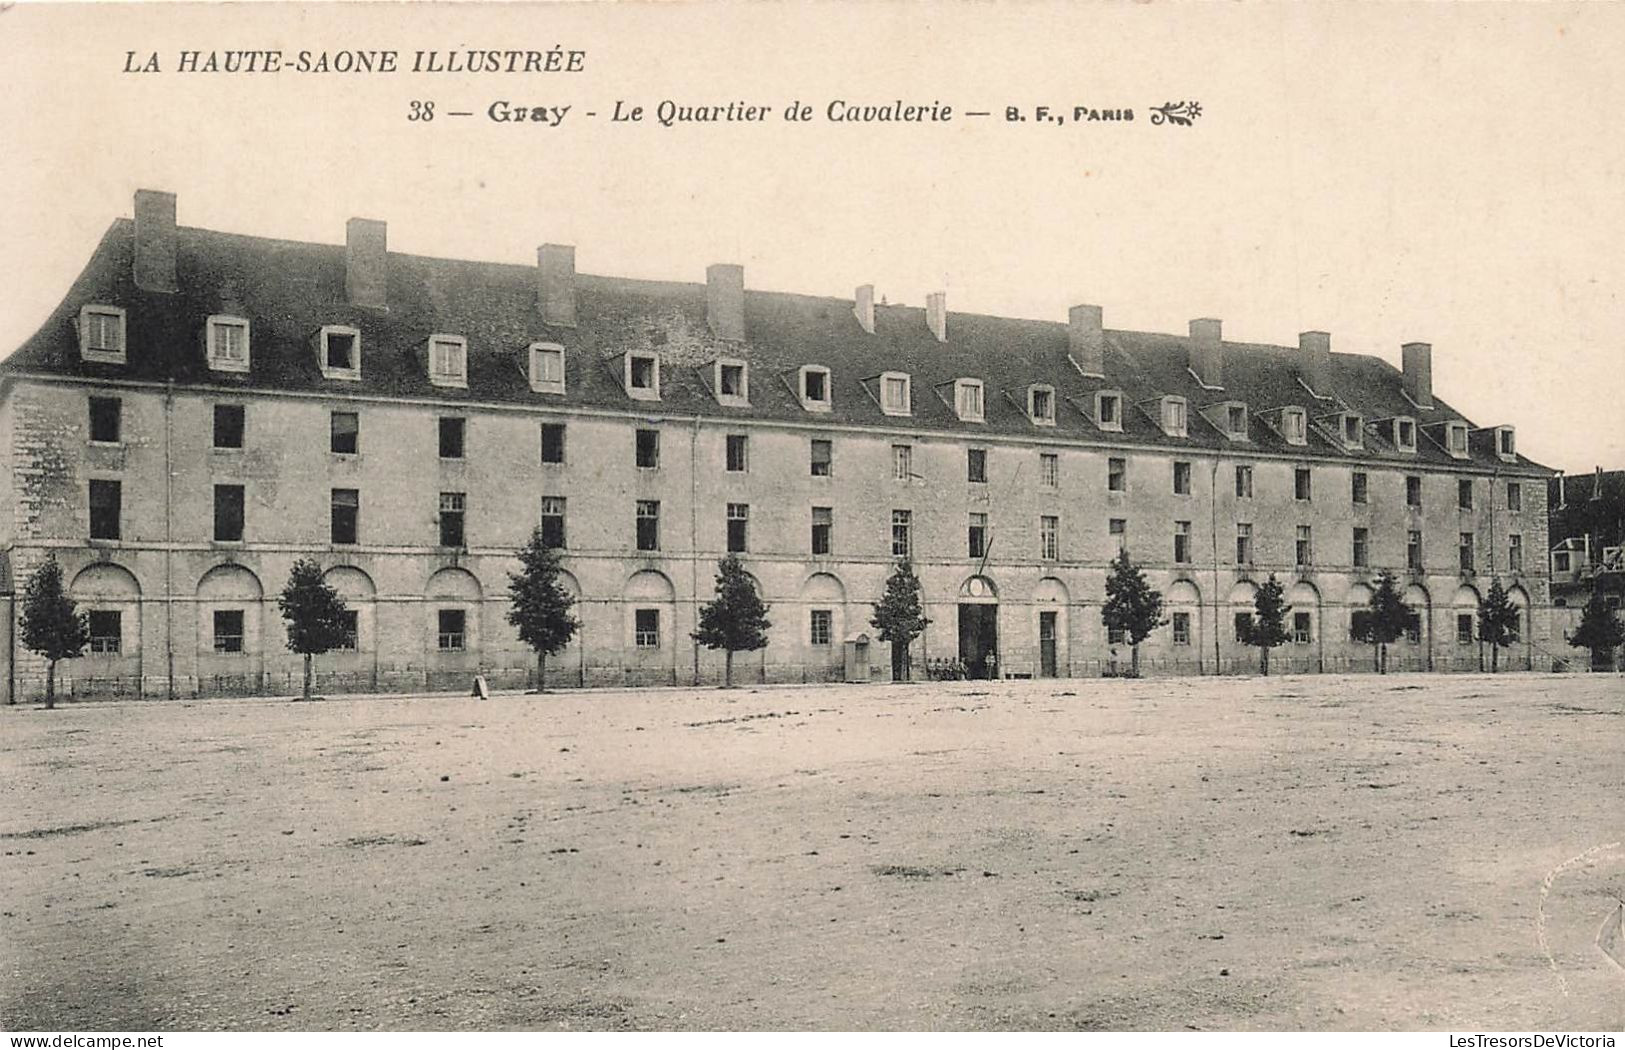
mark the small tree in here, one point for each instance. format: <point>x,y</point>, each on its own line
<point>1267,629</point>
<point>735,620</point>
<point>1132,606</point>
<point>899,617</point>
<point>315,615</point>
<point>51,625</point>
<point>541,608</point>
<point>1497,622</point>
<point>1600,631</point>
<point>1389,617</point>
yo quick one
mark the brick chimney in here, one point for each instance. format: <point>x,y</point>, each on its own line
<point>366,264</point>
<point>1419,373</point>
<point>1315,361</point>
<point>725,300</point>
<point>556,284</point>
<point>155,241</point>
<point>1206,351</point>
<point>936,315</point>
<point>863,307</point>
<point>1086,339</point>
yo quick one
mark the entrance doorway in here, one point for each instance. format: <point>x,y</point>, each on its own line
<point>979,640</point>
<point>1046,644</point>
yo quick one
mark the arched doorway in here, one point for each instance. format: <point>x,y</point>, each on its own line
<point>1050,599</point>
<point>978,628</point>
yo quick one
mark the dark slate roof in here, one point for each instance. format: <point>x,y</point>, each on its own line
<point>1577,513</point>
<point>288,290</point>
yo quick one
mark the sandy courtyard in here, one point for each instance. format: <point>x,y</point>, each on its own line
<point>1320,853</point>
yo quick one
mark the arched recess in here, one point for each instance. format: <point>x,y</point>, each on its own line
<point>111,598</point>
<point>1523,643</point>
<point>1357,601</point>
<point>1051,626</point>
<point>1183,607</point>
<point>1421,606</point>
<point>649,630</point>
<point>452,628</point>
<point>360,597</point>
<point>1241,603</point>
<point>230,604</point>
<point>1303,621</point>
<point>1464,616</point>
<point>823,618</point>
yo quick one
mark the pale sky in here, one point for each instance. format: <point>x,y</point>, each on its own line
<point>1450,173</point>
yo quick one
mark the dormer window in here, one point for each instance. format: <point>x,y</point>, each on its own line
<point>643,376</point>
<point>1235,421</point>
<point>895,396</point>
<point>1405,434</point>
<point>448,360</point>
<point>101,334</point>
<point>1041,405</point>
<point>814,388</point>
<point>227,339</point>
<point>968,400</point>
<point>1353,430</point>
<point>1506,445</point>
<point>1295,426</point>
<point>1455,439</point>
<point>340,349</point>
<point>732,380</point>
<point>1109,410</point>
<point>547,368</point>
<point>1173,416</point>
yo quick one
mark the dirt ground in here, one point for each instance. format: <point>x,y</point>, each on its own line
<point>1290,853</point>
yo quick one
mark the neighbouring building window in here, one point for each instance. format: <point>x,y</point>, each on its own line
<point>1049,470</point>
<point>648,519</point>
<point>452,630</point>
<point>1302,484</point>
<point>738,453</point>
<point>228,630</point>
<point>453,510</point>
<point>1244,481</point>
<point>1362,548</point>
<point>648,449</point>
<point>1358,486</point>
<point>895,399</point>
<point>1244,543</point>
<point>1560,561</point>
<point>547,368</point>
<point>1300,628</point>
<point>902,462</point>
<point>1515,552</point>
<point>228,426</point>
<point>1464,628</point>
<point>228,513</point>
<point>646,628</point>
<point>1413,551</point>
<point>1049,537</point>
<point>1041,405</point>
<point>101,334</point>
<point>968,400</point>
<point>1514,496</point>
<point>821,458</point>
<point>1413,490</point>
<point>976,535</point>
<point>1116,474</point>
<point>349,631</point>
<point>346,515</point>
<point>106,631</point>
<point>738,523</point>
<point>976,465</point>
<point>1182,478</point>
<point>448,360</point>
<point>452,431</point>
<point>1117,528</point>
<point>553,521</point>
<point>822,623</point>
<point>104,420</point>
<point>1182,542</point>
<point>106,501</point>
<point>1506,443</point>
<point>1466,551</point>
<point>552,442</point>
<point>345,433</point>
<point>1242,626</point>
<point>1305,551</point>
<point>1464,494</point>
<point>902,522</point>
<point>823,526</point>
<point>341,352</point>
<point>1182,628</point>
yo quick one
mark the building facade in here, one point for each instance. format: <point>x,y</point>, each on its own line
<point>205,408</point>
<point>1587,530</point>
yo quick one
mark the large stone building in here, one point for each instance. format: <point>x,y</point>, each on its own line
<point>204,408</point>
<point>1586,524</point>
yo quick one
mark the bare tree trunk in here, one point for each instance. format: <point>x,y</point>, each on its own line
<point>1134,661</point>
<point>1495,659</point>
<point>728,669</point>
<point>50,685</point>
<point>1264,660</point>
<point>1383,659</point>
<point>305,695</point>
<point>541,673</point>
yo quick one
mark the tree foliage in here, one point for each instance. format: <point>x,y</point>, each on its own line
<point>1389,617</point>
<point>736,619</point>
<point>51,624</point>
<point>541,606</point>
<point>1267,629</point>
<point>1132,605</point>
<point>899,618</point>
<point>1600,629</point>
<point>314,612</point>
<point>1497,622</point>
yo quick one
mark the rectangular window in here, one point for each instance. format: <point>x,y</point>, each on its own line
<point>1242,626</point>
<point>1560,561</point>
<point>1182,628</point>
<point>1362,548</point>
<point>902,521</point>
<point>1182,478</point>
<point>1295,424</point>
<point>106,631</point>
<point>1515,553</point>
<point>738,523</point>
<point>228,426</point>
<point>106,500</point>
<point>547,368</point>
<point>1466,552</point>
<point>1115,636</point>
<point>894,397</point>
<point>815,386</point>
<point>1458,439</point>
<point>1413,628</point>
<point>1116,474</point>
<point>1464,628</point>
<point>738,453</point>
<point>648,449</point>
<point>1244,482</point>
<point>1049,470</point>
<point>1117,528</point>
<point>228,513</point>
<point>1302,484</point>
<point>345,433</point>
<point>902,462</point>
<point>648,518</point>
<point>453,509</point>
<point>228,344</point>
<point>452,631</point>
<point>349,631</point>
<point>1358,487</point>
<point>822,624</point>
<point>1182,542</point>
<point>1042,405</point>
<point>976,535</point>
<point>822,458</point>
<point>1514,496</point>
<point>448,361</point>
<point>102,331</point>
<point>1515,628</point>
<point>1236,420</point>
<point>646,628</point>
<point>1244,543</point>
<point>1049,537</point>
<point>1108,411</point>
<point>1359,625</point>
<point>731,380</point>
<point>104,419</point>
<point>1464,494</point>
<point>641,372</point>
<point>452,430</point>
<point>1352,434</point>
<point>553,521</point>
<point>823,527</point>
<point>346,515</point>
<point>976,465</point>
<point>552,442</point>
<point>1173,416</point>
<point>1300,628</point>
<point>339,351</point>
<point>968,400</point>
<point>1413,551</point>
<point>1405,435</point>
<point>228,630</point>
<point>1305,551</point>
<point>1413,490</point>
